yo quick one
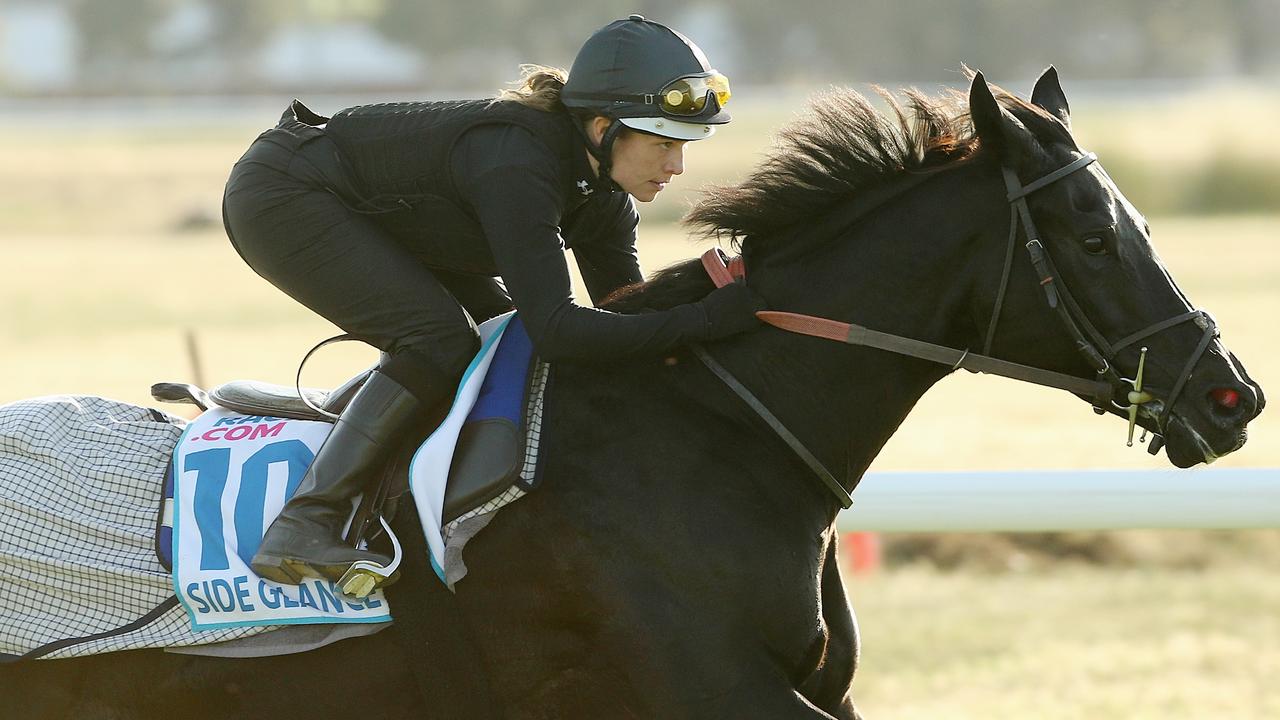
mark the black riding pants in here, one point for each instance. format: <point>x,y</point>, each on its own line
<point>284,215</point>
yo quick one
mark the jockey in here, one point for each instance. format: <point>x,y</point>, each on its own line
<point>406,223</point>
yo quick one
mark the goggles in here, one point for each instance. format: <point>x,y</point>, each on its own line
<point>685,96</point>
<point>688,95</point>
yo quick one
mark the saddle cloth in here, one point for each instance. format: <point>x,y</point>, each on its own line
<point>79,484</point>
<point>234,473</point>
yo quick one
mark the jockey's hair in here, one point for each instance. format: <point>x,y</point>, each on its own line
<point>537,87</point>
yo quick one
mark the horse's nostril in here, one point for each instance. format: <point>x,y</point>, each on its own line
<point>1226,398</point>
<point>1233,404</point>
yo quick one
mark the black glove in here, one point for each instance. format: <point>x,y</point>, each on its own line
<point>731,310</point>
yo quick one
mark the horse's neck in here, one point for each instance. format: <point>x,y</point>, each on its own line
<point>913,271</point>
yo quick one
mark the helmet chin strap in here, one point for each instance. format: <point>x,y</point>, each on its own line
<point>603,153</point>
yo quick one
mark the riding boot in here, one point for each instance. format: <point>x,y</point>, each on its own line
<point>306,538</point>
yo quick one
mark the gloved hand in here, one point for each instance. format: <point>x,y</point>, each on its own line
<point>731,310</point>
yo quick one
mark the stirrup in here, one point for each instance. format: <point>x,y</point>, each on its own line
<point>365,576</point>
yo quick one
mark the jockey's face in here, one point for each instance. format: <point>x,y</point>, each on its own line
<point>642,163</point>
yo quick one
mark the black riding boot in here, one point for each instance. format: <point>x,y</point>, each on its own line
<point>306,538</point>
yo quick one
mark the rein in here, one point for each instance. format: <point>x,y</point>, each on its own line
<point>1089,341</point>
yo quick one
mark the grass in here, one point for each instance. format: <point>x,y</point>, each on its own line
<point>1080,642</point>
<point>1197,152</point>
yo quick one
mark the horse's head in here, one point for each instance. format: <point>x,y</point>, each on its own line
<point>1106,295</point>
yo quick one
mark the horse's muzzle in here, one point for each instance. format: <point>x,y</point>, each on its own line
<point>1209,425</point>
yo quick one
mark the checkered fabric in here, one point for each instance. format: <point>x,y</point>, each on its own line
<point>80,485</point>
<point>81,480</point>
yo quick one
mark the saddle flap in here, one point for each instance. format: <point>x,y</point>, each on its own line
<point>484,465</point>
<point>253,397</point>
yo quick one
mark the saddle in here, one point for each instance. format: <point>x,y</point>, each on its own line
<point>486,462</point>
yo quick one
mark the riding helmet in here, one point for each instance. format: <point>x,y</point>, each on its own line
<point>643,75</point>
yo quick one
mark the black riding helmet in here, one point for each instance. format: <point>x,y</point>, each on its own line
<point>648,77</point>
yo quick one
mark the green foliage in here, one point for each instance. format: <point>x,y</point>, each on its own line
<point>804,41</point>
<point>1000,552</point>
<point>1234,183</point>
<point>814,41</point>
<point>244,24</point>
<point>118,29</point>
<point>1225,181</point>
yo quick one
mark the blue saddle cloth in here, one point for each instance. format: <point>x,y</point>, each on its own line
<point>503,392</point>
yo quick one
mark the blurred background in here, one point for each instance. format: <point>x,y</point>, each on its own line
<point>119,120</point>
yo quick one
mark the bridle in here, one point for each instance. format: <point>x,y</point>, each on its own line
<point>1091,343</point>
<point>1096,349</point>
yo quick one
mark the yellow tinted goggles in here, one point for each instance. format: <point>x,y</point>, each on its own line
<point>688,95</point>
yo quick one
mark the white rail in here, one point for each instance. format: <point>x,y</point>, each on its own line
<point>1226,498</point>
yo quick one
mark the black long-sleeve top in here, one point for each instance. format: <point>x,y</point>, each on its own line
<point>511,182</point>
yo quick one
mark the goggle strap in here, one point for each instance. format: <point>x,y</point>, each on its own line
<point>647,99</point>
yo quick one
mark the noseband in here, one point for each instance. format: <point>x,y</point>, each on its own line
<point>1095,348</point>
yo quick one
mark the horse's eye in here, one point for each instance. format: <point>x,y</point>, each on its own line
<point>1095,245</point>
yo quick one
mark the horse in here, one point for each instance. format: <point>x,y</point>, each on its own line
<point>678,559</point>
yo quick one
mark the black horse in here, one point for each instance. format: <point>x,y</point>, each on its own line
<point>678,560</point>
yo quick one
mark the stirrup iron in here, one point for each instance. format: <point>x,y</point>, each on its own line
<point>364,576</point>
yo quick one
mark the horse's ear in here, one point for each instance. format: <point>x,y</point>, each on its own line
<point>1048,94</point>
<point>995,127</point>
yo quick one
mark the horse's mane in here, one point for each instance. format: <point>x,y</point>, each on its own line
<point>841,146</point>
